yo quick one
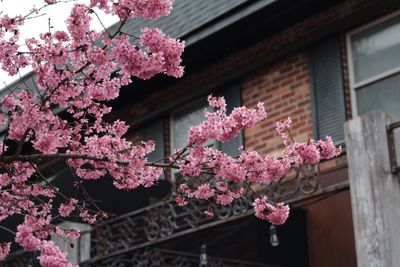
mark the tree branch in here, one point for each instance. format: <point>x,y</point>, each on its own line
<point>39,157</point>
<point>21,143</point>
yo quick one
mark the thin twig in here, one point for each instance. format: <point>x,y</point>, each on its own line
<point>98,18</point>
<point>8,230</point>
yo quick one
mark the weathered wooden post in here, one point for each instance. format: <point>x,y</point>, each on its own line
<point>375,191</point>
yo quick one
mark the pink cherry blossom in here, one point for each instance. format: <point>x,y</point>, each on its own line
<point>275,214</point>
<point>279,214</point>
<point>328,149</point>
<point>4,250</point>
<point>66,208</point>
<point>181,201</point>
<point>26,238</point>
<point>151,9</point>
<point>227,198</point>
<point>204,191</point>
<point>52,256</point>
<point>308,152</point>
<point>209,212</point>
<point>72,234</point>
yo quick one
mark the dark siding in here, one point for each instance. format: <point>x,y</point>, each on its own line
<point>327,90</point>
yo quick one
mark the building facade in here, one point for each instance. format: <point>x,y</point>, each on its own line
<point>319,62</point>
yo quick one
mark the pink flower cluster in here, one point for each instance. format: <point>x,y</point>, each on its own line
<point>169,50</point>
<point>70,234</point>
<point>283,127</point>
<point>310,152</point>
<point>203,191</point>
<point>124,162</point>
<point>52,256</point>
<point>66,208</point>
<point>162,55</point>
<point>275,214</point>
<point>249,167</point>
<point>26,238</point>
<point>4,250</point>
<point>222,127</point>
<point>31,122</point>
<point>78,23</point>
<point>150,9</point>
<point>221,193</point>
<point>10,59</point>
<point>33,234</point>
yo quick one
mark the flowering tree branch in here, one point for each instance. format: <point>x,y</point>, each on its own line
<point>79,71</point>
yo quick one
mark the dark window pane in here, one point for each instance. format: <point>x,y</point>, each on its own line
<point>376,49</point>
<point>383,95</point>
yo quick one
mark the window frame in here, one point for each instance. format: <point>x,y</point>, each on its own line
<point>201,102</point>
<point>355,85</point>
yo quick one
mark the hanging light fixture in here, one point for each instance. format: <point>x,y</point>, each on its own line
<point>203,256</point>
<point>273,236</point>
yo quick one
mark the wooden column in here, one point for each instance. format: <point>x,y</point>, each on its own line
<point>375,191</point>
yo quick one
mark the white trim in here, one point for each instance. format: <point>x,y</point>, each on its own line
<point>373,23</point>
<point>380,76</point>
<point>353,100</point>
<point>377,77</point>
<point>171,145</point>
<point>172,171</point>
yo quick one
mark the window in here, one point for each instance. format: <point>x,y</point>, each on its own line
<point>374,62</point>
<point>183,118</point>
<point>154,130</point>
<point>181,121</point>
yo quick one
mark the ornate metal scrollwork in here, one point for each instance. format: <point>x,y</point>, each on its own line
<point>165,220</point>
<point>20,259</point>
<point>159,222</point>
<point>168,258</point>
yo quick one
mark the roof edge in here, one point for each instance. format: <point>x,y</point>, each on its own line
<point>224,20</point>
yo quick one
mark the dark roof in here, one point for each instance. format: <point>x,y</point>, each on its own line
<point>27,81</point>
<point>192,20</point>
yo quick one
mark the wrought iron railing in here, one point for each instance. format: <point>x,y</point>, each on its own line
<point>19,259</point>
<point>158,223</point>
<point>168,258</point>
<point>164,221</point>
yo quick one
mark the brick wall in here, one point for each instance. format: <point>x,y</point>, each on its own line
<point>285,90</point>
